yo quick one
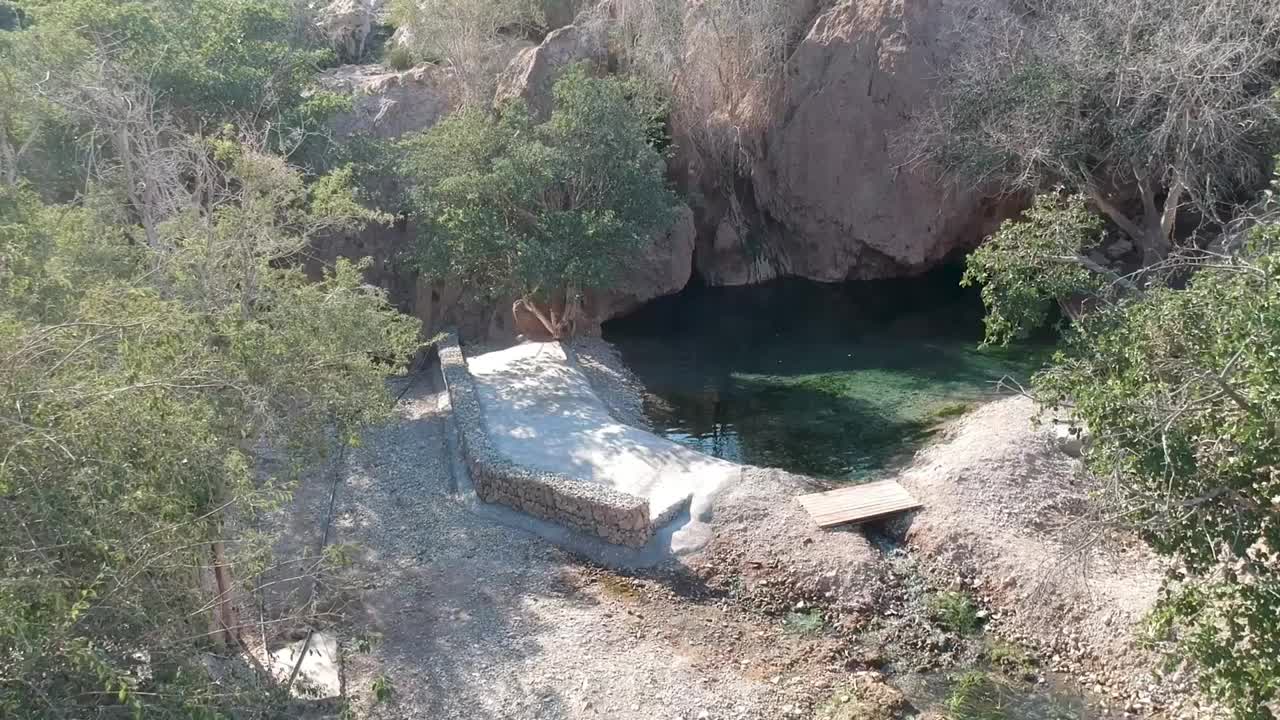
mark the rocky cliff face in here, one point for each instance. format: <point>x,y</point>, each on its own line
<point>390,104</point>
<point>826,195</point>
<point>823,193</point>
<point>387,103</point>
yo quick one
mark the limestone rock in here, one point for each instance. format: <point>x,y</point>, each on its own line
<point>389,103</point>
<point>662,267</point>
<point>532,73</point>
<point>827,196</point>
<point>347,24</point>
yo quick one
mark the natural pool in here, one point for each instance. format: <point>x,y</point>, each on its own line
<point>835,381</point>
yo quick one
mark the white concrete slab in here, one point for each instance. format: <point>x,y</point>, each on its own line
<point>320,675</point>
<point>542,412</point>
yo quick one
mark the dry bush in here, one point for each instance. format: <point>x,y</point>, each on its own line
<point>473,37</point>
<point>1174,98</point>
<point>719,61</point>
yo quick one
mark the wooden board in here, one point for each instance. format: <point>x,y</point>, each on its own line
<point>858,503</point>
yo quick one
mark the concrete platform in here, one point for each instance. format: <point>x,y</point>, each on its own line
<point>542,413</point>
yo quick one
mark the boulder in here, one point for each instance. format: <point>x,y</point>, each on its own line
<point>662,267</point>
<point>389,103</point>
<point>532,73</point>
<point>826,196</point>
<point>346,25</point>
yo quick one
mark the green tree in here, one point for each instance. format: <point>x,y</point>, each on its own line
<point>544,211</point>
<point>1040,260</point>
<point>86,79</point>
<point>136,384</point>
<point>1179,386</point>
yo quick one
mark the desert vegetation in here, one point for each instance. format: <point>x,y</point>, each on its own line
<point>540,211</point>
<point>1146,126</point>
<point>156,336</point>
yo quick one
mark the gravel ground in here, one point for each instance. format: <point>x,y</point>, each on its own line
<point>466,618</point>
<point>463,612</point>
<point>1009,516</point>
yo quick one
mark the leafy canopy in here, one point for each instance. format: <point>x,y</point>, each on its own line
<point>539,211</point>
<point>1032,263</point>
<point>135,392</point>
<point>1180,388</point>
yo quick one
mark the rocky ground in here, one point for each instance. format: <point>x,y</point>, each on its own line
<point>464,618</point>
<point>449,612</point>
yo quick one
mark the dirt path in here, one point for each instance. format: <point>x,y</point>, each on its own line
<point>466,618</point>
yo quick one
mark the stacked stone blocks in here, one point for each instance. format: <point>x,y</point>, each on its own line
<point>584,506</point>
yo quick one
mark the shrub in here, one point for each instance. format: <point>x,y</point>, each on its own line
<point>956,612</point>
<point>400,58</point>
<point>976,696</point>
<point>539,212</point>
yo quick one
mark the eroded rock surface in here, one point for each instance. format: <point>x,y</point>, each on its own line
<point>828,196</point>
<point>662,267</point>
<point>532,74</point>
<point>348,24</point>
<point>390,103</point>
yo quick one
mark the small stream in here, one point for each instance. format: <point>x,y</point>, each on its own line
<point>835,381</point>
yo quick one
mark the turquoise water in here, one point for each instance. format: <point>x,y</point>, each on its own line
<point>836,381</point>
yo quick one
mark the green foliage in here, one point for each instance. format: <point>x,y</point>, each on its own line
<point>807,622</point>
<point>208,58</point>
<point>133,396</point>
<point>198,65</point>
<point>976,696</point>
<point>1011,659</point>
<point>539,211</point>
<point>383,689</point>
<point>956,612</point>
<point>1180,388</point>
<point>1033,262</point>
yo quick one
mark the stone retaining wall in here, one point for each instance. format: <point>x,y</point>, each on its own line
<point>589,507</point>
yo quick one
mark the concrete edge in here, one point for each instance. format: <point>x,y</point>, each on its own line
<point>588,507</point>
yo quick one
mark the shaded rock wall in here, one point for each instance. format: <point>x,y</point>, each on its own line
<point>823,192</point>
<point>827,196</point>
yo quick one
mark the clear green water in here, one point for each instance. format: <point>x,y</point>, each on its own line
<point>834,381</point>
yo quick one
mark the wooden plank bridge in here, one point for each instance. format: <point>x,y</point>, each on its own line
<point>858,503</point>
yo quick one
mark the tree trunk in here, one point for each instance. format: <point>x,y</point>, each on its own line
<point>1154,235</point>
<point>224,607</point>
<point>547,323</point>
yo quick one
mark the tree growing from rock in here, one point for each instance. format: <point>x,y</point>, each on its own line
<point>540,212</point>
<point>1168,102</point>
